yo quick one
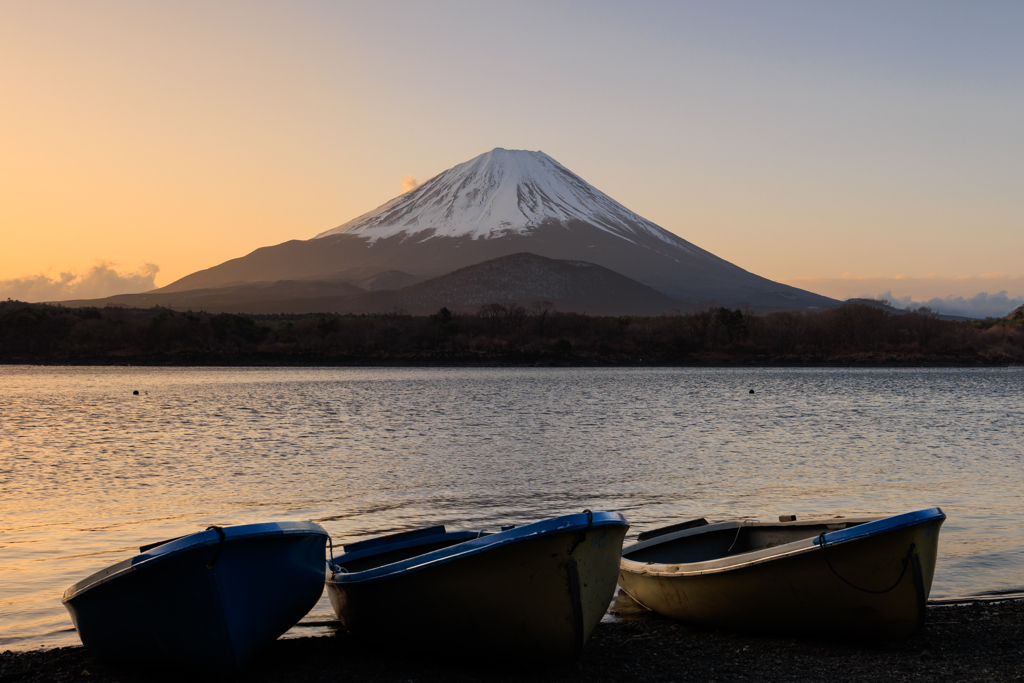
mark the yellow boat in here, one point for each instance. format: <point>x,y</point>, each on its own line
<point>863,576</point>
<point>533,592</point>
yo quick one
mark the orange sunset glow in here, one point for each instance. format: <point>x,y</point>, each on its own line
<point>185,135</point>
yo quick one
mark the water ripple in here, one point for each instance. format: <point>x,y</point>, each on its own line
<point>88,471</point>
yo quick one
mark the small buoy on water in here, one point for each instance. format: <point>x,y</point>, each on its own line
<point>751,391</point>
<point>136,392</point>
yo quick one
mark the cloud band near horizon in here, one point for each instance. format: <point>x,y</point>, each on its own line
<point>102,280</point>
<point>971,296</point>
<point>965,296</point>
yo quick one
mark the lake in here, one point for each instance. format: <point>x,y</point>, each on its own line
<point>89,471</point>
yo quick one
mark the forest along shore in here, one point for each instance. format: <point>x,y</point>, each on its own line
<point>971,642</point>
<point>866,334</point>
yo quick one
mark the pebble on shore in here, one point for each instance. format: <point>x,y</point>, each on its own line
<point>971,642</point>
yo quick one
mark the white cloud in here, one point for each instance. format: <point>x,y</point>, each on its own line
<point>99,281</point>
<point>409,183</point>
<point>967,295</point>
<point>919,288</point>
<point>981,305</point>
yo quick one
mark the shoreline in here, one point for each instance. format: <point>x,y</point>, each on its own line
<point>366,362</point>
<point>979,641</point>
<point>854,334</point>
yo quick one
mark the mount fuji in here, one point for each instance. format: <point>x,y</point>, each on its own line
<point>501,203</point>
<point>503,192</point>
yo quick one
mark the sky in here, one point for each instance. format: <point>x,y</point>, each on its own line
<point>853,149</point>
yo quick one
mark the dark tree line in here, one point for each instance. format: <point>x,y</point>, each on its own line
<point>854,332</point>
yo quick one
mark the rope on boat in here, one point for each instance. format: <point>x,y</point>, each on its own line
<point>220,546</point>
<point>330,542</point>
<point>735,538</point>
<point>906,563</point>
<point>583,534</point>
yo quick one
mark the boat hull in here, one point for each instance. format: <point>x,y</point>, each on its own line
<point>873,586</point>
<point>200,602</point>
<point>538,598</point>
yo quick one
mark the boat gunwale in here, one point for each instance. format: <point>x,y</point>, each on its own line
<point>865,527</point>
<point>403,544</point>
<point>528,532</point>
<point>185,544</point>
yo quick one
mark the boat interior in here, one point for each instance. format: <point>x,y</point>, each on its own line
<point>712,542</point>
<point>360,557</point>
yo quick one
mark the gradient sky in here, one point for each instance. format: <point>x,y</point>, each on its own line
<point>832,146</point>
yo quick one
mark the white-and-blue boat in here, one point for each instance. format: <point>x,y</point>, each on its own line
<point>859,576</point>
<point>533,592</point>
<point>207,601</point>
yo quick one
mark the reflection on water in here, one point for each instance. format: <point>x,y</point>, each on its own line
<point>89,471</point>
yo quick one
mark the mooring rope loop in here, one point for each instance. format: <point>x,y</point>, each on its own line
<point>906,563</point>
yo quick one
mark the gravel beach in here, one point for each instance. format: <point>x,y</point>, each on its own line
<point>971,642</point>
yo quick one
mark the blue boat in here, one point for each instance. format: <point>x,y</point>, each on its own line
<point>206,601</point>
<point>533,592</point>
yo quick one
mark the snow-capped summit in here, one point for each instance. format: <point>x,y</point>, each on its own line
<point>501,192</point>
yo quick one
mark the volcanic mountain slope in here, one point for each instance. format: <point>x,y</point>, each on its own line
<point>517,279</point>
<point>258,297</point>
<point>522,279</point>
<point>501,203</point>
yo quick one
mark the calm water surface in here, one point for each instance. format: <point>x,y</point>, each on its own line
<point>88,471</point>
